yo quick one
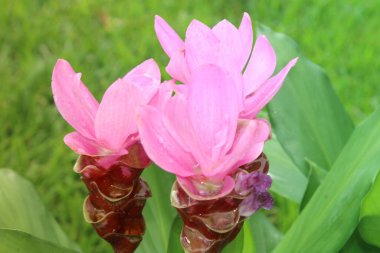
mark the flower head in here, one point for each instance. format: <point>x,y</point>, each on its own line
<point>230,48</point>
<point>108,128</point>
<point>198,135</point>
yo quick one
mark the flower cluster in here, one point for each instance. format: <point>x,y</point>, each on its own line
<point>208,129</point>
<point>201,126</point>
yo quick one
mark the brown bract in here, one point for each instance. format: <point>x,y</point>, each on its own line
<point>209,225</point>
<point>117,196</point>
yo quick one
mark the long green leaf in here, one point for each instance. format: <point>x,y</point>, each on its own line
<point>248,246</point>
<point>175,233</point>
<point>158,212</point>
<point>288,181</point>
<point>236,245</point>
<point>369,226</point>
<point>22,209</point>
<point>316,176</point>
<point>12,241</point>
<point>357,245</point>
<point>333,212</point>
<point>265,235</point>
<point>306,114</point>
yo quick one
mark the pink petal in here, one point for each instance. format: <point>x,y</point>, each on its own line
<point>201,45</point>
<point>266,92</point>
<point>115,121</point>
<point>261,65</point>
<point>197,29</point>
<point>247,146</point>
<point>168,38</point>
<point>146,77</point>
<point>160,146</point>
<point>180,128</point>
<point>246,34</point>
<point>81,145</point>
<point>163,95</point>
<point>73,100</point>
<point>230,37</point>
<point>213,109</point>
<point>177,67</point>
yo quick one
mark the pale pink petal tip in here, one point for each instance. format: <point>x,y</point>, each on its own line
<point>115,123</point>
<point>246,34</point>
<point>246,15</point>
<point>266,92</point>
<point>80,144</point>
<point>146,77</point>
<point>204,191</point>
<point>260,66</point>
<point>73,100</point>
<point>294,61</point>
<point>168,38</point>
<point>147,68</point>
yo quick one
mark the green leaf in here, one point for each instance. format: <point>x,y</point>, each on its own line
<point>265,235</point>
<point>158,212</point>
<point>175,234</point>
<point>316,176</point>
<point>288,181</point>
<point>356,245</point>
<point>236,245</point>
<point>248,246</point>
<point>306,114</point>
<point>22,209</point>
<point>12,241</point>
<point>332,214</point>
<point>369,226</point>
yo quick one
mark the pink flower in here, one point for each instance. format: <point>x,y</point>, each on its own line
<point>229,47</point>
<point>198,135</point>
<point>109,127</point>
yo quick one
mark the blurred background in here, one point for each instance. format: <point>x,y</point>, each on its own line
<point>104,39</point>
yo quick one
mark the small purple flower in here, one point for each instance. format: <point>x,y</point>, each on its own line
<point>255,187</point>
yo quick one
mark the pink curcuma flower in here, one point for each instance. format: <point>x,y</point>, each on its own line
<point>198,135</point>
<point>108,128</point>
<point>229,47</point>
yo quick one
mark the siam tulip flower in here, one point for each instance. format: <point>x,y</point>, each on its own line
<point>229,47</point>
<point>108,128</point>
<point>199,137</point>
<point>111,156</point>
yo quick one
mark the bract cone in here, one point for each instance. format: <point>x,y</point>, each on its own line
<point>209,225</point>
<point>117,196</point>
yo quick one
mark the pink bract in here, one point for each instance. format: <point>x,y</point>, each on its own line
<point>108,128</point>
<point>230,48</point>
<point>198,133</point>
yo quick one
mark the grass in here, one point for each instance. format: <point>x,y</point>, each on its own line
<point>104,39</point>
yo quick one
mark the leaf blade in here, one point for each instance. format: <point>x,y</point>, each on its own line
<point>369,226</point>
<point>332,214</point>
<point>288,180</point>
<point>21,242</point>
<point>22,209</point>
<point>306,114</point>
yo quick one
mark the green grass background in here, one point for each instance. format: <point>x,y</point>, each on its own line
<point>104,39</point>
